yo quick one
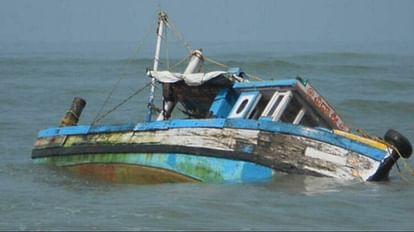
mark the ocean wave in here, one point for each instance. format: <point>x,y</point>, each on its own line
<point>336,63</point>
<point>393,84</point>
<point>352,69</point>
<point>68,60</point>
<point>377,106</point>
<point>342,55</point>
<point>267,64</point>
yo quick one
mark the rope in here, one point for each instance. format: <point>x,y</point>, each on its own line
<point>179,62</point>
<point>122,102</point>
<point>179,36</point>
<point>190,50</point>
<point>407,166</point>
<point>73,114</point>
<point>254,77</point>
<point>400,173</point>
<point>137,49</point>
<point>216,62</point>
<point>226,66</point>
<point>405,163</point>
<point>167,56</point>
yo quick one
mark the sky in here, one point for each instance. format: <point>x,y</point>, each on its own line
<point>322,21</point>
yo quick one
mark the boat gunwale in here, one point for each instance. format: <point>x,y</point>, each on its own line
<point>318,134</point>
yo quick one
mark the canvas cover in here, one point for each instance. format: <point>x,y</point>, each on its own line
<point>192,79</point>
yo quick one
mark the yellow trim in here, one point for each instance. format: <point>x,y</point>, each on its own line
<point>368,141</point>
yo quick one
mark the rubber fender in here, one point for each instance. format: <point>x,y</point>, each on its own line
<point>400,142</point>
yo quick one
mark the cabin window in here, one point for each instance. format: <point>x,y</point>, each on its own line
<point>299,116</point>
<point>277,105</point>
<point>257,111</point>
<point>298,112</point>
<point>311,120</point>
<point>292,111</point>
<point>242,106</point>
<point>290,108</point>
<point>245,104</point>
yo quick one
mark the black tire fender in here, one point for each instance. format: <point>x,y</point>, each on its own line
<point>400,142</point>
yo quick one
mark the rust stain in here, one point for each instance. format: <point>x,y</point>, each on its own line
<point>355,173</point>
<point>129,174</point>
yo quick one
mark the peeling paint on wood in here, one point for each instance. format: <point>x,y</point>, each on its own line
<point>200,168</point>
<point>280,152</point>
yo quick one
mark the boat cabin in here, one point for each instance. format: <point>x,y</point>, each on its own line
<point>273,101</point>
<point>229,95</point>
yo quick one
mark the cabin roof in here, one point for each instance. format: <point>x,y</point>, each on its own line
<point>264,84</point>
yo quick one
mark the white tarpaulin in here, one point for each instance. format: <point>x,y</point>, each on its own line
<point>191,79</point>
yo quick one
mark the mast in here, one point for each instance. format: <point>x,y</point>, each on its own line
<point>162,19</point>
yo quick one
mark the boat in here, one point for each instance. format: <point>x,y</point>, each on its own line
<point>234,130</point>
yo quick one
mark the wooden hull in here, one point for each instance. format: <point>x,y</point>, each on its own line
<point>128,173</point>
<point>159,167</point>
<point>206,151</point>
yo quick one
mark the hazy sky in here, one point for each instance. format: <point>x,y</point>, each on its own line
<point>353,21</point>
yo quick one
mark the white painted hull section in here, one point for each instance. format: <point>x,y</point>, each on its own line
<point>303,154</point>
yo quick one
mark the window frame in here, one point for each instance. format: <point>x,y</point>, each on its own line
<point>253,98</point>
<point>280,108</point>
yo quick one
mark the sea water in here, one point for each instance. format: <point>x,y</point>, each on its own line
<point>372,91</point>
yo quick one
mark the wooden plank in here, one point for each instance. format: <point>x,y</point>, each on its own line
<point>317,154</point>
<point>327,111</point>
<point>282,152</point>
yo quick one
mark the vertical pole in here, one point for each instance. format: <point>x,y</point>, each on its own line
<point>162,17</point>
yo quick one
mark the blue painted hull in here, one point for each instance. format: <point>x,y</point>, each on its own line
<point>197,149</point>
<point>198,168</point>
<point>269,126</point>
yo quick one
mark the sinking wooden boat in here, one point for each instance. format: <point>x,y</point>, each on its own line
<point>235,130</point>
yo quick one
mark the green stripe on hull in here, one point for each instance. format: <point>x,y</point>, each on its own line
<point>205,169</point>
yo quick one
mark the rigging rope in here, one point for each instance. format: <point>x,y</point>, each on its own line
<point>226,66</point>
<point>190,50</point>
<point>179,36</point>
<point>122,102</point>
<point>167,56</point>
<point>138,48</point>
<point>216,62</point>
<point>179,62</point>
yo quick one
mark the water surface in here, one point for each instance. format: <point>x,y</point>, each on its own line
<point>371,91</point>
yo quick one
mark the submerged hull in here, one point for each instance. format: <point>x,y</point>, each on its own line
<point>160,167</point>
<point>213,150</point>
